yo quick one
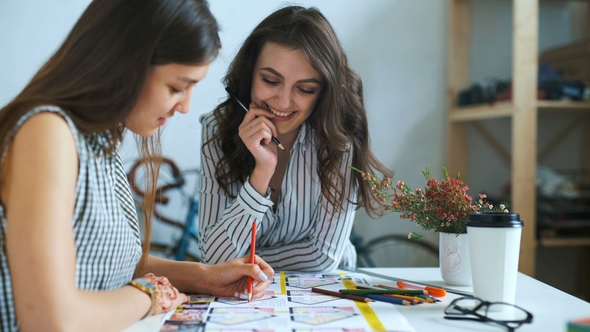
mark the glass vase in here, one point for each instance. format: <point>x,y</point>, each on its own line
<point>455,265</point>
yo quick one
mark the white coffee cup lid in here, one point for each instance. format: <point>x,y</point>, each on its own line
<point>494,219</point>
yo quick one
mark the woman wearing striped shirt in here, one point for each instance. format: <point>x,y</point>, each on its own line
<point>69,235</point>
<point>294,75</point>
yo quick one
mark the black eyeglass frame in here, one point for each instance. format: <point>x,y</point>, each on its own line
<point>510,324</point>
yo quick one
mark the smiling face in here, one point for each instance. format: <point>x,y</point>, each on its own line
<point>285,83</point>
<point>167,89</point>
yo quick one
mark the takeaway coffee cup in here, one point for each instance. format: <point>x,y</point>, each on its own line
<point>494,247</point>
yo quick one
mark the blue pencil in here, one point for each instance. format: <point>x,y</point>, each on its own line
<point>389,299</point>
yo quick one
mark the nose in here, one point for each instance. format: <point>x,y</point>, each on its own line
<point>183,106</point>
<point>284,97</point>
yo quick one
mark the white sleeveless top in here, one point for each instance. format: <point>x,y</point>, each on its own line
<point>105,224</point>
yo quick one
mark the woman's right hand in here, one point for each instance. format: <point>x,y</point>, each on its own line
<point>230,278</point>
<point>256,131</point>
<point>168,296</point>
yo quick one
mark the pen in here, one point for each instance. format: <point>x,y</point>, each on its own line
<point>274,139</point>
<point>345,296</point>
<point>252,255</point>
<point>382,291</point>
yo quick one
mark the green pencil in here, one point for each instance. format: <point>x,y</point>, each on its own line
<point>382,291</point>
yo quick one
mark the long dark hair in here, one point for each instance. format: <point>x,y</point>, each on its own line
<point>339,118</point>
<point>97,74</point>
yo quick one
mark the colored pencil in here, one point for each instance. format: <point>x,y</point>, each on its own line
<point>252,258</point>
<point>364,287</point>
<point>433,291</point>
<point>410,298</point>
<point>382,291</point>
<point>344,296</point>
<point>426,297</point>
<point>422,296</point>
<point>389,299</point>
<point>417,298</point>
<point>274,139</point>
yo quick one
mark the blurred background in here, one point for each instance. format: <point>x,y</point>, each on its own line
<point>400,49</point>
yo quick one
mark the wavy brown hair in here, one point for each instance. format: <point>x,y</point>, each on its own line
<point>97,74</point>
<point>339,118</point>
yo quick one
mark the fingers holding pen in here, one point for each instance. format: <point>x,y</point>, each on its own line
<point>257,116</point>
<point>257,126</point>
<point>256,111</point>
<point>256,132</point>
<point>262,274</point>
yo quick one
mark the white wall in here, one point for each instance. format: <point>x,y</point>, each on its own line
<point>397,46</point>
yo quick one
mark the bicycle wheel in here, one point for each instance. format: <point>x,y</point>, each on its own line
<point>398,251</point>
<point>169,252</point>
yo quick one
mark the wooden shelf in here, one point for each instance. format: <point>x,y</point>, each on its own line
<point>482,112</point>
<point>506,109</point>
<point>563,105</point>
<point>564,242</point>
<point>522,112</point>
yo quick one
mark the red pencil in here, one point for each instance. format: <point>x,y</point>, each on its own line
<point>252,254</point>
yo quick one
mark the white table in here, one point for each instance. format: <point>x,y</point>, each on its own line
<point>551,308</point>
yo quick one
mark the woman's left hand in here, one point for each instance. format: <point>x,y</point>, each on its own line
<point>231,278</point>
<point>168,296</point>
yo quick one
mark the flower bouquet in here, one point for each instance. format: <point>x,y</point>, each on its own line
<point>442,206</point>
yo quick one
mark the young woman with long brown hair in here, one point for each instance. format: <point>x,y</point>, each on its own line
<point>69,237</point>
<point>294,75</point>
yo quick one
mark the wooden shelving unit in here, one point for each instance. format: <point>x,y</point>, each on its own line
<point>522,111</point>
<point>573,242</point>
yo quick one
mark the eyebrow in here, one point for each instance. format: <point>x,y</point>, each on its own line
<point>305,80</point>
<point>187,80</point>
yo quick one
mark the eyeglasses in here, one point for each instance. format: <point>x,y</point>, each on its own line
<point>472,308</point>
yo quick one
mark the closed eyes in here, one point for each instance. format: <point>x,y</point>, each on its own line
<point>275,83</point>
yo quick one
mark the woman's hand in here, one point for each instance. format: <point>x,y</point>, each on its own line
<point>231,278</point>
<point>256,131</point>
<point>168,296</point>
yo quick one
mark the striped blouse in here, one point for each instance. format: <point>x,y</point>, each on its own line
<point>300,236</point>
<point>105,224</point>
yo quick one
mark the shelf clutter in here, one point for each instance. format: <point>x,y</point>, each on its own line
<point>572,61</point>
<point>563,75</point>
<point>563,83</point>
<point>555,81</point>
<point>563,206</point>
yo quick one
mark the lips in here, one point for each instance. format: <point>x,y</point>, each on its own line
<point>279,114</point>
